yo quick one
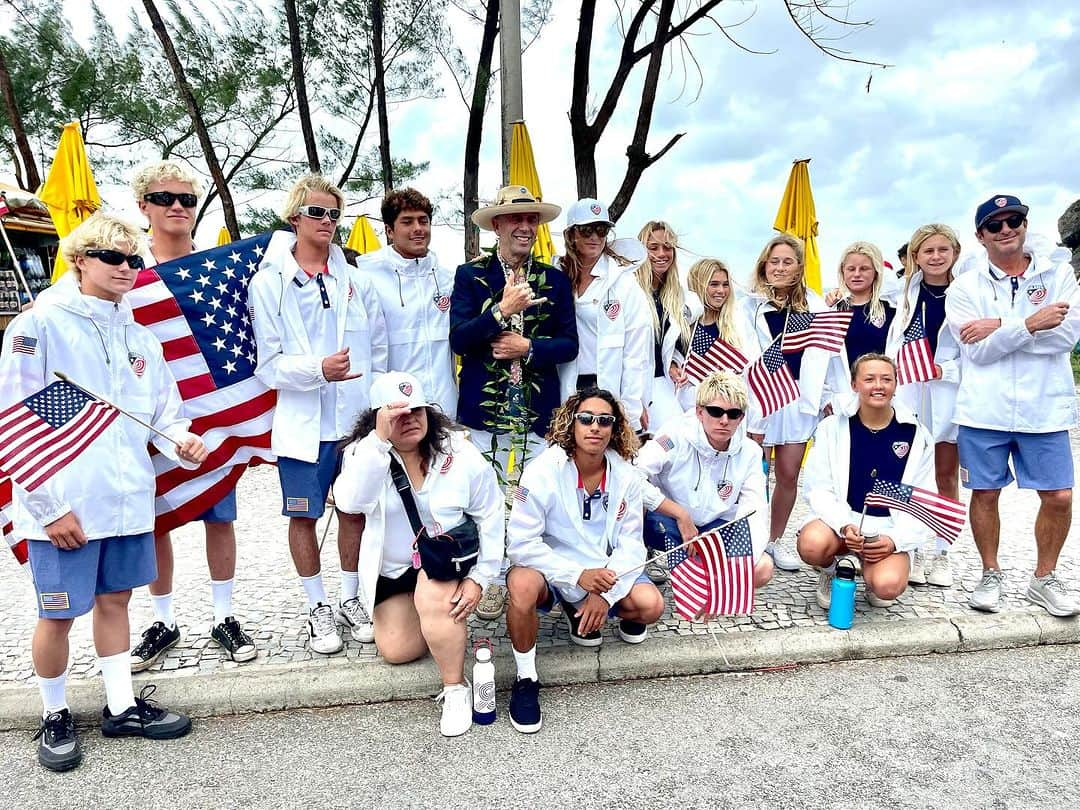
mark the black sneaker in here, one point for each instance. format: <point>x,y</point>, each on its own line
<point>232,638</point>
<point>59,749</point>
<point>145,719</point>
<point>156,640</point>
<point>525,714</point>
<point>593,639</point>
<point>632,632</point>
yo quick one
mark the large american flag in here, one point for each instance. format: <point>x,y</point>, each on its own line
<point>43,433</point>
<point>197,307</point>
<point>708,355</point>
<point>817,330</point>
<point>944,515</point>
<point>719,579</point>
<point>915,360</point>
<point>769,380</point>
<point>18,547</point>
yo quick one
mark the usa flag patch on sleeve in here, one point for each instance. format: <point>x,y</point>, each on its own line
<point>296,504</point>
<point>24,344</point>
<point>55,601</point>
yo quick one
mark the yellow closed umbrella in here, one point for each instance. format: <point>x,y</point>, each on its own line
<point>523,173</point>
<point>363,238</point>
<point>798,217</point>
<point>223,237</point>
<point>69,191</point>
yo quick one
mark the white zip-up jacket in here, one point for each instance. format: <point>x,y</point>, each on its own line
<point>461,482</point>
<point>825,480</point>
<point>669,352</point>
<point>286,361</point>
<point>624,351</point>
<point>1013,380</point>
<point>546,531</point>
<point>680,464</point>
<point>109,486</point>
<point>415,298</point>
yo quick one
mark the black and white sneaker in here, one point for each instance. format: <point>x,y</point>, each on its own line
<point>59,749</point>
<point>231,637</point>
<point>525,714</point>
<point>593,639</point>
<point>632,632</point>
<point>145,719</point>
<point>157,639</point>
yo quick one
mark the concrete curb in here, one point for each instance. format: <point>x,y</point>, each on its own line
<point>340,681</point>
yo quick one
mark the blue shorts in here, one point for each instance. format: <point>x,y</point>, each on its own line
<point>224,511</point>
<point>305,484</point>
<point>553,594</point>
<point>67,581</point>
<point>660,527</point>
<point>1042,461</point>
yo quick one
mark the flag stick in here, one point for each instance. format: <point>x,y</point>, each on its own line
<point>117,408</point>
<point>326,528</point>
<point>716,641</point>
<point>862,517</point>
<point>683,545</point>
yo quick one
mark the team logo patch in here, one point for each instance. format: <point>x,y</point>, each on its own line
<point>612,308</point>
<point>442,302</point>
<point>595,208</point>
<point>901,448</point>
<point>878,321</point>
<point>296,504</point>
<point>351,293</point>
<point>724,489</point>
<point>1001,202</point>
<point>138,363</point>
<point>24,344</point>
<point>405,388</point>
<point>621,512</point>
<point>1036,295</point>
<point>435,529</point>
<point>55,601</point>
<point>445,468</point>
<point>606,501</point>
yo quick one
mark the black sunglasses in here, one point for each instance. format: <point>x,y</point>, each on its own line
<point>1014,221</point>
<point>116,258</point>
<point>603,419</point>
<point>320,211</point>
<point>715,411</point>
<point>167,198</point>
<point>598,229</point>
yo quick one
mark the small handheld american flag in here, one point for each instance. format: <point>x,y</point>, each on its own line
<point>915,361</point>
<point>708,354</point>
<point>770,381</point>
<point>818,330</point>
<point>944,515</point>
<point>719,579</point>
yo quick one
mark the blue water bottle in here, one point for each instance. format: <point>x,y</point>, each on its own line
<point>842,606</point>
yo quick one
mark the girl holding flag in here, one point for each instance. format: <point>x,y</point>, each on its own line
<point>928,362</point>
<point>861,273</point>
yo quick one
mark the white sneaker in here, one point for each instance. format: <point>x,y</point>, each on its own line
<point>939,572</point>
<point>874,600</point>
<point>351,614</point>
<point>917,574</point>
<point>989,593</point>
<point>323,635</point>
<point>1051,594</point>
<point>823,594</point>
<point>456,702</point>
<point>784,556</point>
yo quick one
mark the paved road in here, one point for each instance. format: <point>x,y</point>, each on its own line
<point>991,729</point>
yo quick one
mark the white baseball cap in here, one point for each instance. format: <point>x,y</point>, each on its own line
<point>586,212</point>
<point>397,386</point>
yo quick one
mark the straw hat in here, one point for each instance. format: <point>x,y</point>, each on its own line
<point>514,200</point>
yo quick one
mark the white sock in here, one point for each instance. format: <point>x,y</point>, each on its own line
<point>222,592</point>
<point>313,587</point>
<point>53,693</point>
<point>116,672</point>
<point>163,609</point>
<point>526,663</point>
<point>350,585</point>
<point>941,546</point>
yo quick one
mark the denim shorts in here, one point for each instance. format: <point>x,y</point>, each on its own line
<point>553,595</point>
<point>224,511</point>
<point>305,484</point>
<point>1042,461</point>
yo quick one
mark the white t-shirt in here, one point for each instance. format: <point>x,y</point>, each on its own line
<point>587,310</point>
<point>321,323</point>
<point>399,534</point>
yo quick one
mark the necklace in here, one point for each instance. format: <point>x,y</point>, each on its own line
<point>930,292</point>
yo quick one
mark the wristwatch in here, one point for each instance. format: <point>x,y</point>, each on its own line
<point>496,313</point>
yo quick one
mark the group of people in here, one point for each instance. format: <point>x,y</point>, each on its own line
<point>534,424</point>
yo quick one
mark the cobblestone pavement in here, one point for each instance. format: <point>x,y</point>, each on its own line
<point>269,600</point>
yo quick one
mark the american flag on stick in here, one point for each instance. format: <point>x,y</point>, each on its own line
<point>18,547</point>
<point>817,330</point>
<point>708,354</point>
<point>197,307</point>
<point>915,360</point>
<point>944,515</point>
<point>719,579</point>
<point>769,380</point>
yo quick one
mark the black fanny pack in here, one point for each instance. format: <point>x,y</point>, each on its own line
<point>447,556</point>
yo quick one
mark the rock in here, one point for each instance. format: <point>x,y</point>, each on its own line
<point>1069,228</point>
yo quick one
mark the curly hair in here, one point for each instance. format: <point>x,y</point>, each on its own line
<point>623,440</point>
<point>436,440</point>
<point>403,199</point>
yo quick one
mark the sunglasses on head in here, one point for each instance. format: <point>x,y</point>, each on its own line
<point>598,229</point>
<point>167,198</point>
<point>715,411</point>
<point>116,258</point>
<point>320,211</point>
<point>602,419</point>
<point>1014,221</point>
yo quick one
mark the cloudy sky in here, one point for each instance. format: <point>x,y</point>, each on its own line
<point>981,98</point>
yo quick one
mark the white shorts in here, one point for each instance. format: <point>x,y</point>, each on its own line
<point>789,425</point>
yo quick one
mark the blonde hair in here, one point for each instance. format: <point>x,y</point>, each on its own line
<point>796,297</point>
<point>876,311</point>
<point>722,385</point>
<point>306,185</point>
<point>920,236</point>
<point>871,357</point>
<point>701,273</point>
<point>101,231</point>
<point>160,172</point>
<point>570,262</point>
<point>672,299</point>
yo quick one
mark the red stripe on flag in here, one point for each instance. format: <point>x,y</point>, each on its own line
<point>196,386</point>
<point>75,443</point>
<point>146,277</point>
<point>206,499</point>
<point>249,409</point>
<point>180,347</point>
<point>171,479</point>
<point>164,310</point>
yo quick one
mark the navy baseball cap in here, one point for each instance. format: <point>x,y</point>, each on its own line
<point>996,204</point>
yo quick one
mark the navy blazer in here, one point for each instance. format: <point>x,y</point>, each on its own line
<point>477,285</point>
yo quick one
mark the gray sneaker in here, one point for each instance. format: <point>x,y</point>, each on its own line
<point>1051,594</point>
<point>823,592</point>
<point>784,555</point>
<point>655,568</point>
<point>990,593</point>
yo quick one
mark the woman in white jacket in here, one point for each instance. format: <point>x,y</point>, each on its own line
<point>932,255</point>
<point>851,450</point>
<point>614,324</point>
<point>450,483</point>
